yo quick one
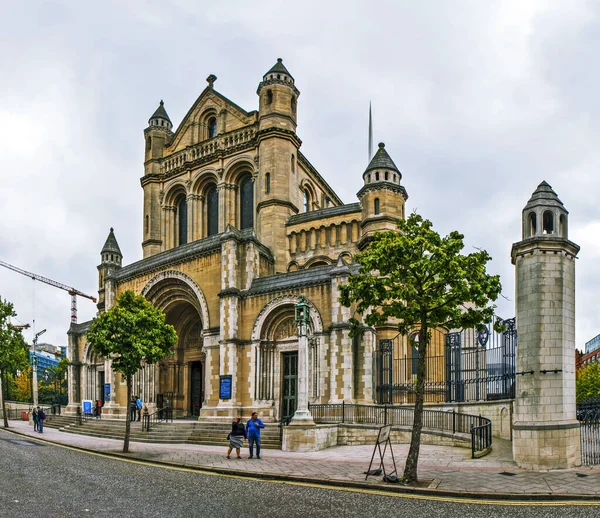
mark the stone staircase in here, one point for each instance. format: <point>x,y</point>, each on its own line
<point>177,432</point>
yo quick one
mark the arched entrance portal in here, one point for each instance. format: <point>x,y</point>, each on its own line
<point>181,375</point>
<point>93,376</point>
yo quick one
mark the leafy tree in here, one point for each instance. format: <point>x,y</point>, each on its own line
<point>421,281</point>
<point>587,382</point>
<point>22,390</point>
<point>13,350</point>
<point>131,333</point>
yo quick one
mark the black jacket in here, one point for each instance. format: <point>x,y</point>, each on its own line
<point>238,428</point>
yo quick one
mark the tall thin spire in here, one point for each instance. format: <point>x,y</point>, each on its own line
<point>370,134</point>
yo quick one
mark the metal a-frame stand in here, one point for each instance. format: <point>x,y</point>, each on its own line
<point>383,438</point>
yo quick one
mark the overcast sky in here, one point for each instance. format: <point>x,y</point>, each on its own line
<point>477,102</point>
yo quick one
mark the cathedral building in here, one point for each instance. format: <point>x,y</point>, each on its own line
<point>237,226</point>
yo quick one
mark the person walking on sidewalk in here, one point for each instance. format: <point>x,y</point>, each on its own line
<point>41,419</point>
<point>138,405</point>
<point>253,433</point>
<point>236,437</point>
<point>34,418</point>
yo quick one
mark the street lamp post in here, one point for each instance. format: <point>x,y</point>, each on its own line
<point>34,383</point>
<point>302,415</point>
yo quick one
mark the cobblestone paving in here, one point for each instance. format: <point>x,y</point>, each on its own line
<point>451,469</point>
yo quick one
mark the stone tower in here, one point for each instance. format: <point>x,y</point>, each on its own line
<point>277,189</point>
<point>111,260</point>
<point>382,197</point>
<point>545,431</point>
<point>157,136</point>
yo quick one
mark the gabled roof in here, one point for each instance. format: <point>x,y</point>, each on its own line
<point>382,160</point>
<point>111,245</point>
<point>279,68</point>
<point>160,113</point>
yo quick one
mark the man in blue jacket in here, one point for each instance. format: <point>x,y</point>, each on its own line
<point>253,427</point>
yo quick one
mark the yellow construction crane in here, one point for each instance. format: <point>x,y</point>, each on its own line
<point>71,291</point>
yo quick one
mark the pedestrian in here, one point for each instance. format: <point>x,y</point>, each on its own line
<point>236,437</point>
<point>98,409</point>
<point>132,409</point>
<point>34,417</point>
<point>41,419</point>
<point>138,405</point>
<point>253,434</point>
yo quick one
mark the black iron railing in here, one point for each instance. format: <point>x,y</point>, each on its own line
<point>479,427</point>
<point>588,415</point>
<point>162,415</point>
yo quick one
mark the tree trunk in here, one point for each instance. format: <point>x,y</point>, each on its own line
<point>3,392</point>
<point>128,418</point>
<point>412,460</point>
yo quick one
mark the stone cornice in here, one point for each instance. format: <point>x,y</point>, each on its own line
<point>181,254</point>
<point>281,82</point>
<point>276,201</point>
<point>280,133</point>
<point>544,244</point>
<point>379,217</point>
<point>383,186</point>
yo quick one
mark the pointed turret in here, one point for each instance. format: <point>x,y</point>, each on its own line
<point>382,197</point>
<point>160,117</point>
<point>111,253</point>
<point>545,214</point>
<point>278,71</point>
<point>278,98</point>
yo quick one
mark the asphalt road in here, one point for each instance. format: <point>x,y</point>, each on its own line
<point>45,480</point>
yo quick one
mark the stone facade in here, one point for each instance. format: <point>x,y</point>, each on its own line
<point>545,430</point>
<point>237,225</point>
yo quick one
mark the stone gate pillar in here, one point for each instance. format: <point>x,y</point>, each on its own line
<point>545,430</point>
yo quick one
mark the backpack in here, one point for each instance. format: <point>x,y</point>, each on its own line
<point>42,415</point>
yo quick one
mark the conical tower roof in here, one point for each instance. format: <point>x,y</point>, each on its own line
<point>160,113</point>
<point>111,246</point>
<point>279,68</point>
<point>382,160</point>
<point>545,196</point>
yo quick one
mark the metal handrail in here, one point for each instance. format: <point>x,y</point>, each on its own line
<point>479,427</point>
<point>161,415</point>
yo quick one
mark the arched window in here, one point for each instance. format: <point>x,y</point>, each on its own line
<point>394,175</point>
<point>293,104</point>
<point>147,223</point>
<point>548,222</point>
<point>376,206</point>
<point>562,225</point>
<point>269,96</point>
<point>293,163</point>
<point>246,203</point>
<point>377,176</point>
<point>212,127</point>
<point>212,211</point>
<point>148,143</point>
<point>267,183</point>
<point>532,224</point>
<point>386,176</point>
<point>182,220</point>
<point>306,200</point>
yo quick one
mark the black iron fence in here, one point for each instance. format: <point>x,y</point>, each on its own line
<point>588,415</point>
<point>462,366</point>
<point>479,427</point>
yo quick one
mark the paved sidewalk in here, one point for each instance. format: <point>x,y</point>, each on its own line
<point>450,469</point>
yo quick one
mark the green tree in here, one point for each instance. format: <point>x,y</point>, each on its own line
<point>587,382</point>
<point>13,350</point>
<point>421,281</point>
<point>131,333</point>
<point>22,390</point>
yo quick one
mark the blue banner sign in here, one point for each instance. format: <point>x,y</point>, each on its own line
<point>107,392</point>
<point>87,406</point>
<point>225,387</point>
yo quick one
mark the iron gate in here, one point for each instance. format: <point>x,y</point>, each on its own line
<point>588,415</point>
<point>461,366</point>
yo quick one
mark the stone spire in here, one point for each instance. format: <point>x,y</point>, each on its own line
<point>160,117</point>
<point>111,247</point>
<point>278,68</point>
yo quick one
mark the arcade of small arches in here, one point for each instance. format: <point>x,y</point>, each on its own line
<point>545,223</point>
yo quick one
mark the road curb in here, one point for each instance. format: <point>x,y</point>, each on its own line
<point>431,491</point>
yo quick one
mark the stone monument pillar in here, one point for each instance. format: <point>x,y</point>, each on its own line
<point>545,429</point>
<point>302,415</point>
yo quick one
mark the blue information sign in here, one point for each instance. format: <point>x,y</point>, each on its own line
<point>107,392</point>
<point>225,387</point>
